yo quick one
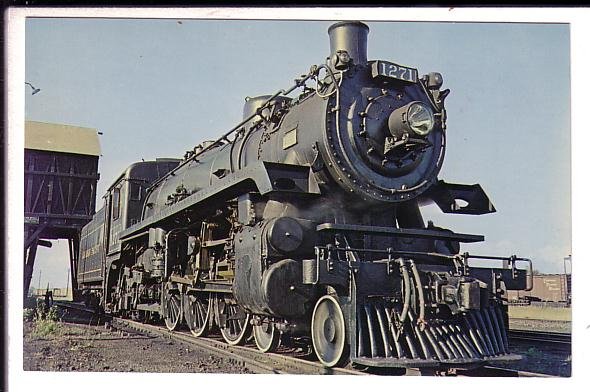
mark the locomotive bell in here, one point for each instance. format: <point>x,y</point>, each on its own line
<point>341,60</point>
<point>253,104</point>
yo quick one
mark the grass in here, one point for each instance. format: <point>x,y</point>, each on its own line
<point>44,329</point>
<point>46,321</point>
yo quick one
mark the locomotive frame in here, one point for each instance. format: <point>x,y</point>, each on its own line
<point>303,221</point>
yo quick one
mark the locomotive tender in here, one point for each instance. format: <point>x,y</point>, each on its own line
<point>303,221</point>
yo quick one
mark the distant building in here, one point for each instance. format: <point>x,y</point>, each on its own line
<point>56,292</point>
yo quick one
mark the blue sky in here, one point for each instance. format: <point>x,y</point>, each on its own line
<point>155,88</point>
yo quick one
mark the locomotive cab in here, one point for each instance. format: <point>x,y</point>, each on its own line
<point>100,239</point>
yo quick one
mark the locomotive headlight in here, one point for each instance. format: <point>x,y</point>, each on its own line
<point>415,118</point>
<point>420,118</point>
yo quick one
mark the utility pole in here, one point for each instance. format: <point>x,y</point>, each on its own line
<point>68,284</point>
<point>39,285</point>
<point>566,286</point>
<point>568,257</point>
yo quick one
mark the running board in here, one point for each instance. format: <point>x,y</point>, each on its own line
<point>395,232</point>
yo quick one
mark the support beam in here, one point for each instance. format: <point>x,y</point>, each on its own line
<point>74,246</point>
<point>29,264</point>
<point>35,236</point>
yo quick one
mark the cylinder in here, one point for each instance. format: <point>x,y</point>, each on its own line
<point>351,37</point>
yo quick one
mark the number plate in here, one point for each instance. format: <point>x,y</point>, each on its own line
<point>395,71</point>
<point>290,138</point>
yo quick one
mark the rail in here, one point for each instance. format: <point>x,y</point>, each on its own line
<point>265,363</point>
<point>558,338</point>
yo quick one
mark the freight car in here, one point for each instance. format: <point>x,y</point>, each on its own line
<point>304,221</point>
<point>546,288</point>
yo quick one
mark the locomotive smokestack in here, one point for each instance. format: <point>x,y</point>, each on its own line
<point>351,37</point>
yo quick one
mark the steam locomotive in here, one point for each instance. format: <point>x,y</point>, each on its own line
<point>303,221</point>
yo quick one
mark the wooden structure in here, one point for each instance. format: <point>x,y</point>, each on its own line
<point>61,172</point>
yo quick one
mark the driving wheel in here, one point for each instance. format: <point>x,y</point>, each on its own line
<point>197,310</point>
<point>233,321</point>
<point>328,332</point>
<point>266,336</point>
<point>172,307</point>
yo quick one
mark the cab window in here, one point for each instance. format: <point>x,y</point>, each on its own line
<point>135,191</point>
<point>116,203</point>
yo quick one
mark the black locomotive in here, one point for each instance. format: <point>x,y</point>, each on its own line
<point>303,221</point>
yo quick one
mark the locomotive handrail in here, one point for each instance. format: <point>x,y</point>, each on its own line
<point>388,251</point>
<point>511,265</point>
<point>506,258</point>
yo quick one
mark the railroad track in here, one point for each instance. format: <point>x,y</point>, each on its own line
<point>493,371</point>
<point>94,319</point>
<point>278,363</point>
<point>265,363</point>
<point>73,305</point>
<point>252,358</point>
<point>286,361</point>
<point>556,338</point>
